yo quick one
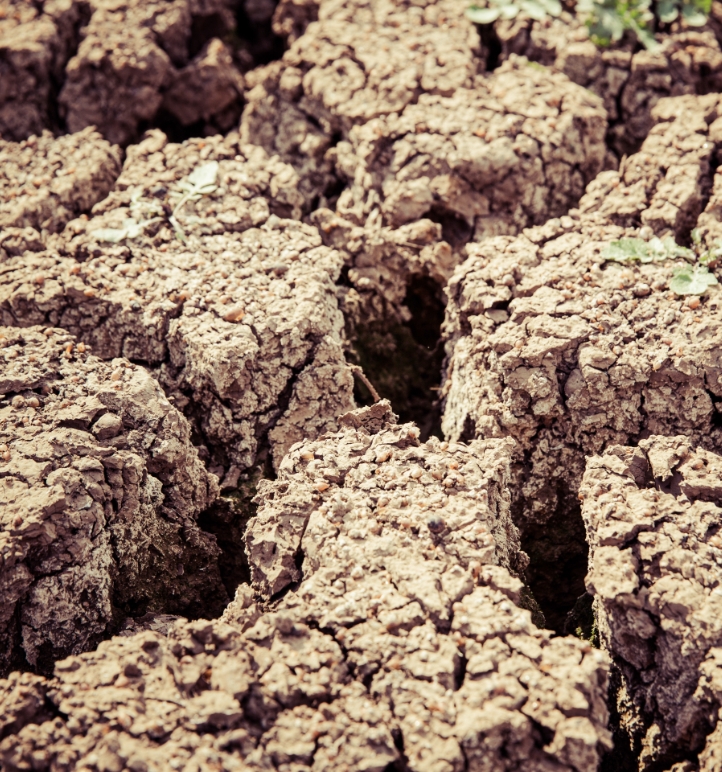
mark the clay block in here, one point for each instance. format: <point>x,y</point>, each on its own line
<point>568,353</point>
<point>652,515</point>
<point>36,41</point>
<point>46,182</point>
<point>100,490</point>
<point>237,316</point>
<point>401,577</point>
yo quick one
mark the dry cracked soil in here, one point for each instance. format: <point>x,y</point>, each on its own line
<point>333,436</point>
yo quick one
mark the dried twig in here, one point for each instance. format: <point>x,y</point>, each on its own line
<point>359,373</point>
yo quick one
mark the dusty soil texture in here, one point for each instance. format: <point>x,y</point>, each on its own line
<point>100,491</point>
<point>36,40</point>
<point>135,58</point>
<point>240,323</point>
<point>123,65</point>
<point>359,61</point>
<point>630,81</point>
<point>567,353</point>
<point>652,516</point>
<point>400,645</point>
<point>46,182</point>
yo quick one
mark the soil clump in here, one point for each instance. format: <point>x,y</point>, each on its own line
<point>629,79</point>
<point>237,316</point>
<point>652,516</point>
<point>365,661</point>
<point>100,490</point>
<point>46,182</point>
<point>567,352</point>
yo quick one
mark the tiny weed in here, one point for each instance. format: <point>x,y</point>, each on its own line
<point>641,251</point>
<point>608,20</point>
<point>132,226</point>
<point>200,182</point>
<point>509,9</point>
<point>693,278</point>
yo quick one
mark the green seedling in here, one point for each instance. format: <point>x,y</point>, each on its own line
<point>200,182</point>
<point>510,9</point>
<point>641,251</point>
<point>608,20</point>
<point>134,226</point>
<point>694,278</point>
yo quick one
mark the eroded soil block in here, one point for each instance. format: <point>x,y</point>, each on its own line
<point>100,490</point>
<point>135,58</point>
<point>630,81</point>
<point>653,515</point>
<point>400,641</point>
<point>235,310</point>
<point>567,352</point>
<point>36,41</point>
<point>46,182</point>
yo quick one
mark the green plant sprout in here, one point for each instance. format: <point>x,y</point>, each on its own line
<point>608,20</point>
<point>694,278</point>
<point>510,9</point>
<point>200,182</point>
<point>641,251</point>
<point>134,226</point>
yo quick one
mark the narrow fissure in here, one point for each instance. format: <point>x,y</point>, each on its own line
<point>227,519</point>
<point>403,360</point>
<point>557,567</point>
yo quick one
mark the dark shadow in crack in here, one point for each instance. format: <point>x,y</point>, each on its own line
<point>558,553</point>
<point>403,360</point>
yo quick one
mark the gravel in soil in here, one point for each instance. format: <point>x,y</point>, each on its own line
<point>100,490</point>
<point>366,660</point>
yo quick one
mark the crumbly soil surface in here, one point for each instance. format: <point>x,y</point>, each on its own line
<point>225,224</point>
<point>403,621</point>
<point>101,490</point>
<point>652,516</point>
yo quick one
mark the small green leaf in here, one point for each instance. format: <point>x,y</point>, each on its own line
<point>667,10</point>
<point>641,251</point>
<point>509,11</point>
<point>482,15</point>
<point>693,17</point>
<point>113,235</point>
<point>204,175</point>
<point>533,9</point>
<point>692,281</point>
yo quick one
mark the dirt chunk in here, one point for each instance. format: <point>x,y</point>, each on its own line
<point>136,57</point>
<point>688,61</point>
<point>36,41</point>
<point>100,490</point>
<point>652,515</point>
<point>237,316</point>
<point>566,352</point>
<point>46,182</point>
<point>359,61</point>
<point>518,148</point>
<point>402,644</point>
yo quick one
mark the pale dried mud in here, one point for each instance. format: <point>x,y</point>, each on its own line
<point>520,573</point>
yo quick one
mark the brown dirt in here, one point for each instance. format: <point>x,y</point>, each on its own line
<point>393,186</point>
<point>405,624</point>
<point>652,516</point>
<point>101,490</point>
